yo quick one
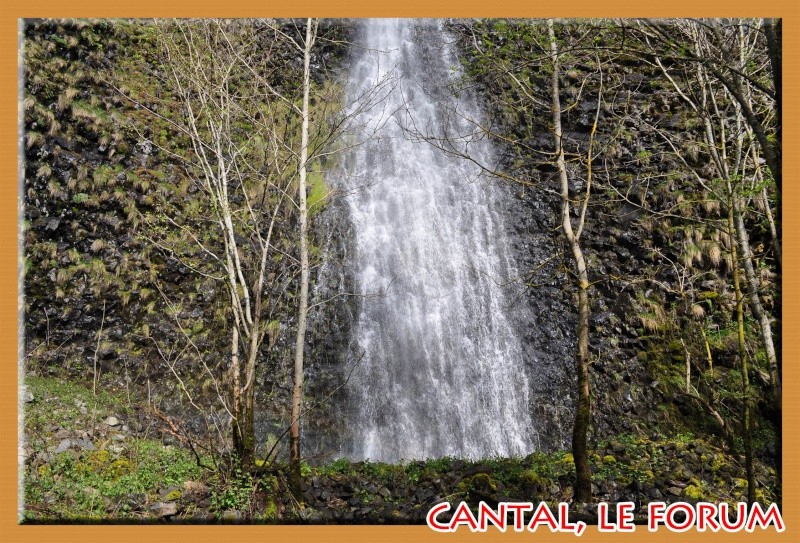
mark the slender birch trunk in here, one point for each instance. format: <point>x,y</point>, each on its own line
<point>755,300</point>
<point>747,438</point>
<point>302,310</point>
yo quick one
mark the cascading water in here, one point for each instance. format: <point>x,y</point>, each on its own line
<point>438,368</point>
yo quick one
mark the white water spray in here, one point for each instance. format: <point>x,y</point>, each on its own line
<point>442,371</point>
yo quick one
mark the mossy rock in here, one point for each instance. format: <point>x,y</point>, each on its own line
<point>718,462</point>
<point>480,486</point>
<point>172,495</point>
<point>675,346</point>
<point>533,484</point>
<point>609,459</point>
<point>270,510</point>
<point>693,493</point>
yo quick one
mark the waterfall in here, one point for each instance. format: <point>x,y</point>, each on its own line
<point>437,367</point>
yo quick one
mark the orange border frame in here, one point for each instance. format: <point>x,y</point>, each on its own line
<point>11,10</point>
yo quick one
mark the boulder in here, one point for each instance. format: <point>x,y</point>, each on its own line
<point>164,509</point>
<point>111,421</point>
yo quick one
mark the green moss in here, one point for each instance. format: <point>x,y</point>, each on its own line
<point>270,510</point>
<point>150,466</point>
<point>675,346</point>
<point>608,459</point>
<point>478,485</point>
<point>119,468</point>
<point>693,493</point>
<point>626,177</point>
<point>532,482</point>
<point>707,295</point>
<point>318,192</point>
<point>173,495</point>
<point>99,457</point>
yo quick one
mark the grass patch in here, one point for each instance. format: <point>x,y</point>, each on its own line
<point>59,402</point>
<point>112,480</point>
<point>95,485</point>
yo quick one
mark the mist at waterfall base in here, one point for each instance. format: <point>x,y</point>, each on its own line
<point>435,365</point>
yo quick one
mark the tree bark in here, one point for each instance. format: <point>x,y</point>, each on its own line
<point>238,407</point>
<point>580,450</point>
<point>773,29</point>
<point>755,300</point>
<point>302,310</point>
<point>765,328</point>
<point>746,431</point>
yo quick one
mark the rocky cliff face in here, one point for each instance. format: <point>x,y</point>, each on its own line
<point>80,203</point>
<point>98,175</point>
<point>660,268</point>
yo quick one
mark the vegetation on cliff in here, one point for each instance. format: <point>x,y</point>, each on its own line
<point>663,152</point>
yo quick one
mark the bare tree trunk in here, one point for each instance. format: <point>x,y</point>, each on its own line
<point>776,239</point>
<point>765,328</point>
<point>247,406</point>
<point>755,300</point>
<point>247,431</point>
<point>580,450</point>
<point>738,230</point>
<point>688,357</point>
<point>708,350</point>
<point>773,226</point>
<point>302,311</point>
<point>746,431</point>
<point>238,441</point>
<point>773,29</point>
